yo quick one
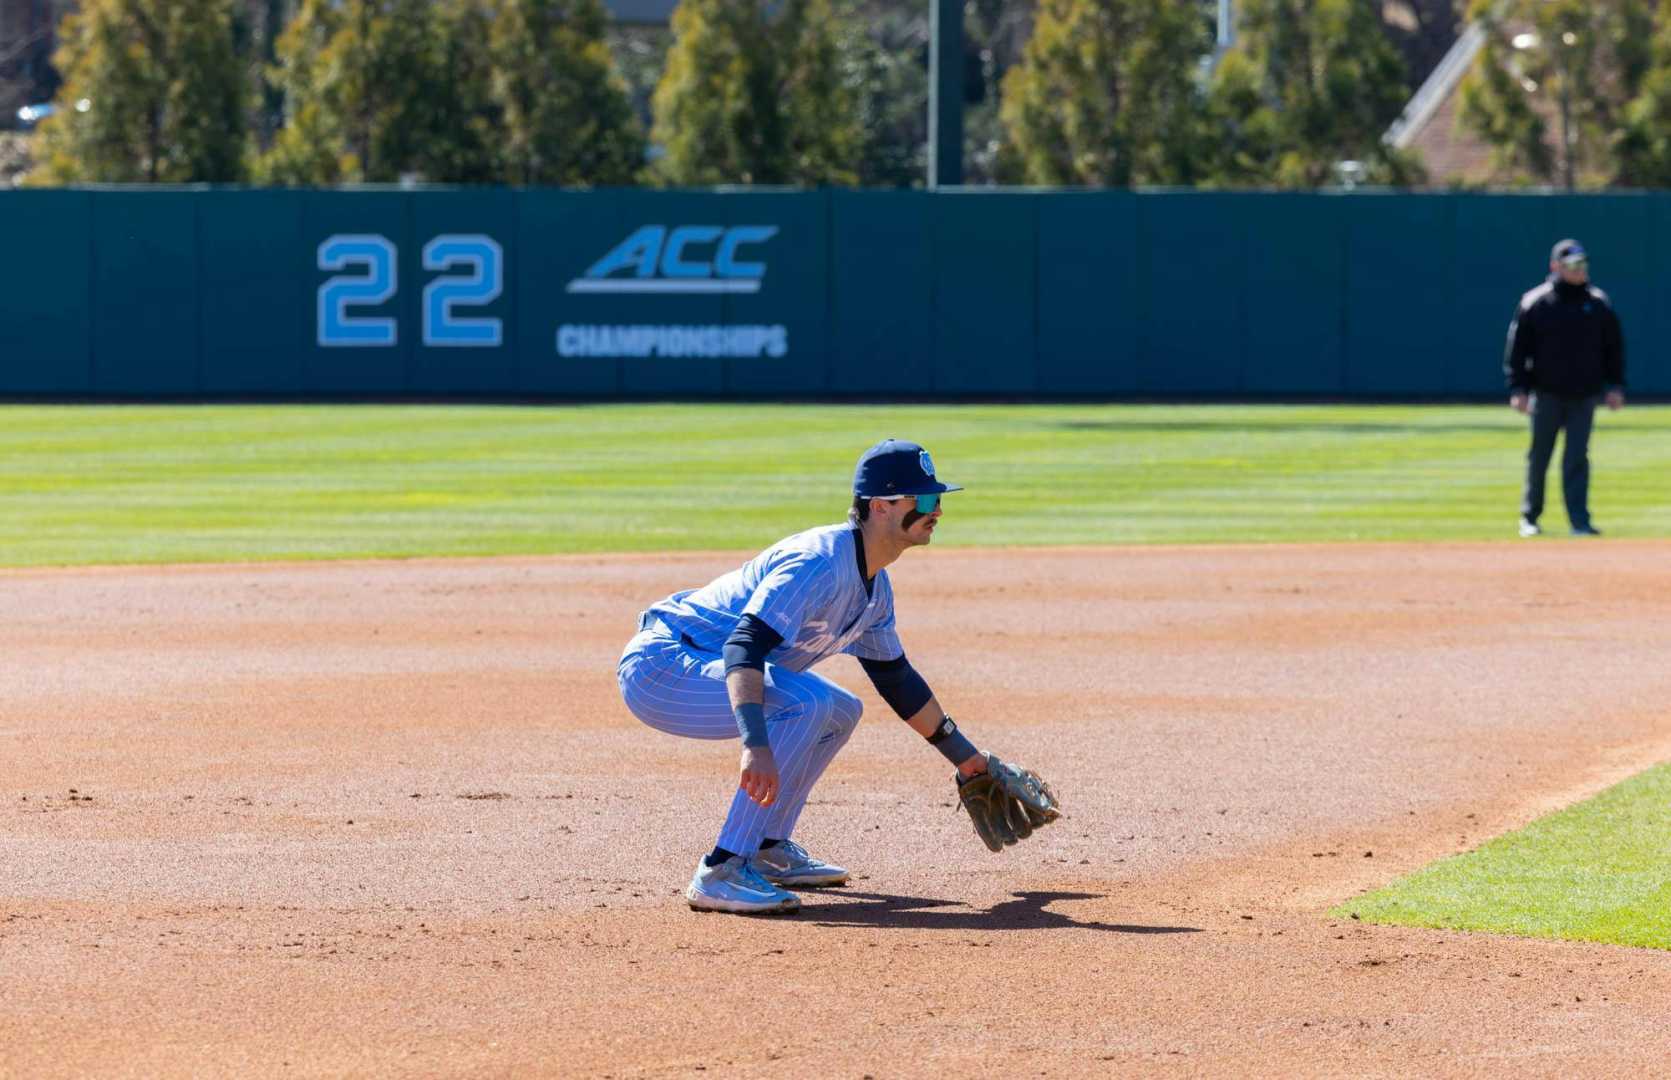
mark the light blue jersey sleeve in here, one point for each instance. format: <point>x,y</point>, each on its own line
<point>880,641</point>
<point>796,587</point>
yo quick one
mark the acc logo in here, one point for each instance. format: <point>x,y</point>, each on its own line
<point>655,248</point>
<point>926,462</point>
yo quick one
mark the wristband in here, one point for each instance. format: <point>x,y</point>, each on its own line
<point>751,722</point>
<point>951,742</point>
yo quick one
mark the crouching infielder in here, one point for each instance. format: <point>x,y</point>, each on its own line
<point>735,657</point>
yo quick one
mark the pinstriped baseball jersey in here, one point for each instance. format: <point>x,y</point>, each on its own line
<point>806,587</point>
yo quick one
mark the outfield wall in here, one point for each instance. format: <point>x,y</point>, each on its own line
<point>142,293</point>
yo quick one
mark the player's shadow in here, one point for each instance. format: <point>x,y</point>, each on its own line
<point>1028,911</point>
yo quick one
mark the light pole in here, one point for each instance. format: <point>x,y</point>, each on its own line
<point>945,94</point>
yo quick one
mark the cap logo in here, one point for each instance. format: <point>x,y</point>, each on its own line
<point>926,462</point>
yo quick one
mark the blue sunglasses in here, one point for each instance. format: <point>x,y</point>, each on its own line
<point>926,504</point>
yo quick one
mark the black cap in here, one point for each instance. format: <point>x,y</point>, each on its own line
<point>896,467</point>
<point>1567,249</point>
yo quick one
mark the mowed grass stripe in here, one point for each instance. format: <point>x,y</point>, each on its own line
<point>1597,871</point>
<point>121,484</point>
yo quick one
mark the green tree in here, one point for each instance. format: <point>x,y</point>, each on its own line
<point>309,147</point>
<point>1551,87</point>
<point>1106,94</point>
<point>465,124</point>
<point>1644,147</point>
<point>376,89</point>
<point>890,58</point>
<point>154,92</point>
<point>568,118</point>
<point>1309,84</point>
<point>817,93</point>
<point>757,98</point>
<point>1246,130</point>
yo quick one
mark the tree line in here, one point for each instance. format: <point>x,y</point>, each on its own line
<point>815,92</point>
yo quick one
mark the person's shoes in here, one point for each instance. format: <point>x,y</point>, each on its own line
<point>1530,528</point>
<point>787,863</point>
<point>736,887</point>
<point>1585,530</point>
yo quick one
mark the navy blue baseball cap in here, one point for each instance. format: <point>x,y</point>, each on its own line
<point>897,467</point>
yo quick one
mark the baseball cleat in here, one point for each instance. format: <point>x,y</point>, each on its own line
<point>787,863</point>
<point>734,886</point>
<point>1585,530</point>
<point>1529,528</point>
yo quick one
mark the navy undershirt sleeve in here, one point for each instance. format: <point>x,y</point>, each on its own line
<point>747,648</point>
<point>749,643</point>
<point>899,684</point>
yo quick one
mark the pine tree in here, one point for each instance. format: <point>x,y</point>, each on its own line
<point>1310,83</point>
<point>756,98</point>
<point>1552,85</point>
<point>1246,130</point>
<point>818,95</point>
<point>467,124</point>
<point>375,90</point>
<point>1106,94</point>
<point>309,147</point>
<point>154,92</point>
<point>567,115</point>
<point>716,117</point>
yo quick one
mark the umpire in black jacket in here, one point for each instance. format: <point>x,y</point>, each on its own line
<point>1565,352</point>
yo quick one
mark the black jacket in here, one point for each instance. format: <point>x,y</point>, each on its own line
<point>1564,340</point>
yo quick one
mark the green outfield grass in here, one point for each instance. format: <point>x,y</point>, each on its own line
<point>206,483</point>
<point>1598,871</point>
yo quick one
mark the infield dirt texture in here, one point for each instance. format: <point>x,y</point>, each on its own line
<point>390,819</point>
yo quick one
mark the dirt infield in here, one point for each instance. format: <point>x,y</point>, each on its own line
<point>390,819</point>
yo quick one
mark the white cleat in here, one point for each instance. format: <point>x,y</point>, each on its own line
<point>787,863</point>
<point>734,886</point>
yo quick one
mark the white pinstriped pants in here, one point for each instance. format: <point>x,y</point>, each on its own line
<point>680,690</point>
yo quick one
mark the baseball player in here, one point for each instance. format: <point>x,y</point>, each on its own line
<point>735,657</point>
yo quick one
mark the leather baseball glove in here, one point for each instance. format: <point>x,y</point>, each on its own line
<point>1007,803</point>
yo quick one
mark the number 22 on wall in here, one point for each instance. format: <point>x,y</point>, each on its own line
<point>369,275</point>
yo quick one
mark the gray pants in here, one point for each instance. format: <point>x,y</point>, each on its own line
<point>1549,415</point>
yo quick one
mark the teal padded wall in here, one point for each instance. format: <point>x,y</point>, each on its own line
<point>1501,242</point>
<point>1091,314</point>
<point>146,293</point>
<point>1295,273</point>
<point>46,303</point>
<point>985,293</point>
<point>881,293</point>
<point>1402,335</point>
<point>559,234</point>
<point>256,313</point>
<point>1194,279</point>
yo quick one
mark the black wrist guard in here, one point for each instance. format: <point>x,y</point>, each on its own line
<point>951,742</point>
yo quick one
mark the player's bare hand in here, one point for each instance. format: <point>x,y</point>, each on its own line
<point>1615,399</point>
<point>759,774</point>
<point>1520,403</point>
